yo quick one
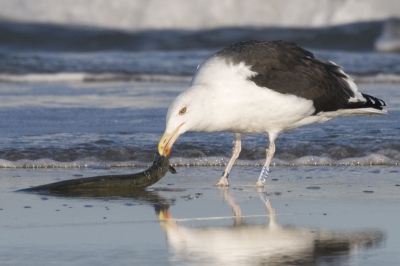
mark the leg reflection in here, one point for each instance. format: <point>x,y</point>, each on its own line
<point>237,212</point>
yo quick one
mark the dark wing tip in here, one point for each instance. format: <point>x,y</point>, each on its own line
<point>371,101</point>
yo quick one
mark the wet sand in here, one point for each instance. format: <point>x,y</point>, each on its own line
<point>320,215</point>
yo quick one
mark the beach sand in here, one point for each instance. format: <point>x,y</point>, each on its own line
<point>324,215</point>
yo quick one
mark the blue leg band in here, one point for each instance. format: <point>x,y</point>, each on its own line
<point>264,173</point>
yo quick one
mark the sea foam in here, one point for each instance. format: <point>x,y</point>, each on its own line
<point>372,159</point>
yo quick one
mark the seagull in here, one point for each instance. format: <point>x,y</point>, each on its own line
<point>255,87</point>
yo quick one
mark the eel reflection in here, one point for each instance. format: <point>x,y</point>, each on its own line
<point>270,244</point>
<point>146,197</point>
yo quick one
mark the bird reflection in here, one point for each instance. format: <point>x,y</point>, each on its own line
<point>270,244</point>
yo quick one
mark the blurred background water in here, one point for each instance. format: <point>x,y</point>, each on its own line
<point>88,83</point>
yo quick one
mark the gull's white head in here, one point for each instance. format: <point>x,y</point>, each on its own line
<point>187,112</point>
<point>212,102</point>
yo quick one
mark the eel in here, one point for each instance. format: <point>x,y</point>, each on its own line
<point>112,182</point>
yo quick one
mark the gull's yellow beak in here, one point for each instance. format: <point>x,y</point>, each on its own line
<point>167,140</point>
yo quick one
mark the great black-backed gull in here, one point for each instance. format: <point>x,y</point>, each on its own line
<point>263,87</point>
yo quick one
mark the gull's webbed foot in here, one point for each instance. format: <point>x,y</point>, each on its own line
<point>223,181</point>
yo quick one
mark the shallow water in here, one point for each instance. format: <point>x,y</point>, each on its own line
<point>324,215</point>
<point>119,124</point>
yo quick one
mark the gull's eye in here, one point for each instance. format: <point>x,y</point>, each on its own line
<point>182,111</point>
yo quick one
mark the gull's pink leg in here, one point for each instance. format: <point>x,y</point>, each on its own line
<point>235,154</point>
<point>270,153</point>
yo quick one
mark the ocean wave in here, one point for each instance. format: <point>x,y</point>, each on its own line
<point>104,153</point>
<point>389,41</point>
<point>378,78</point>
<point>372,159</point>
<point>88,77</point>
<point>110,77</point>
<point>158,14</point>
<point>34,37</point>
<point>49,163</point>
<point>165,66</point>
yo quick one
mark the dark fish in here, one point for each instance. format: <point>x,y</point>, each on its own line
<point>113,182</point>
